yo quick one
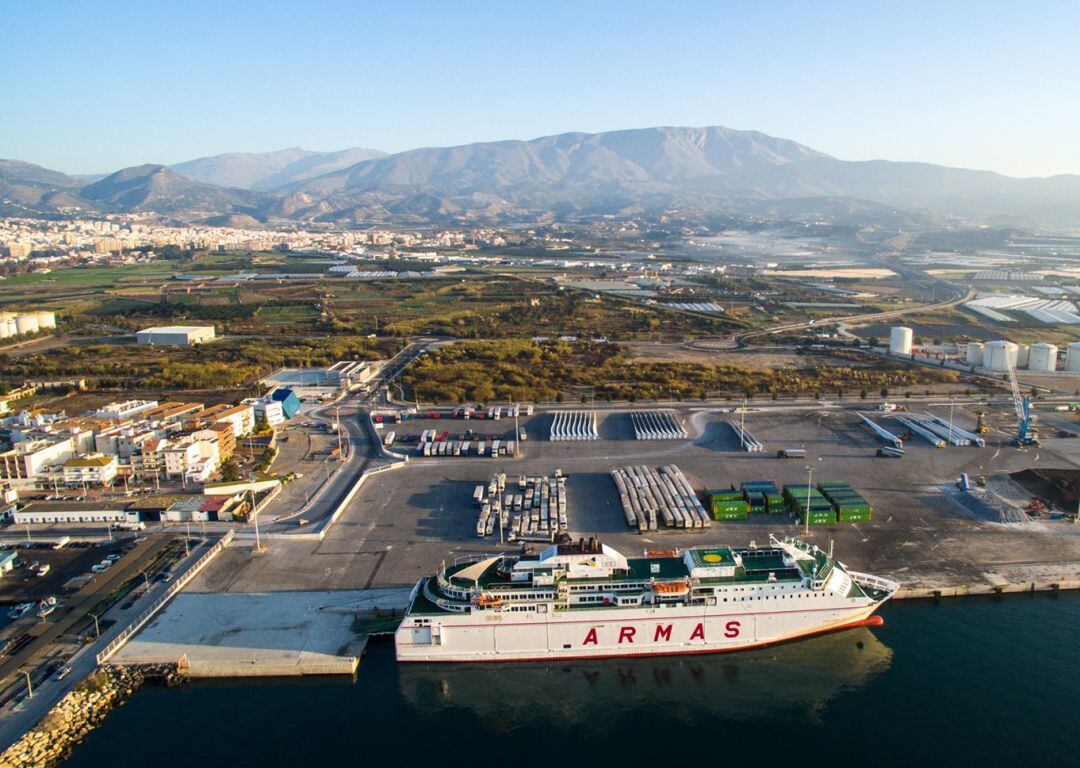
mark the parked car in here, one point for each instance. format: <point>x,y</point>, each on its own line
<point>44,570</point>
<point>113,557</point>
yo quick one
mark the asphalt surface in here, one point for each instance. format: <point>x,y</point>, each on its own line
<point>18,718</point>
<point>405,521</point>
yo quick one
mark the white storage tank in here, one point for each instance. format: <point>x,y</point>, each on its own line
<point>5,330</point>
<point>1043,357</point>
<point>1072,357</point>
<point>900,339</point>
<point>999,355</point>
<point>975,353</point>
<point>26,323</point>
<point>1023,355</point>
<point>46,320</point>
<point>12,330</point>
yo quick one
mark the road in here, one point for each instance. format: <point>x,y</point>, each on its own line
<point>741,338</point>
<point>74,608</point>
<point>19,718</point>
<point>359,451</point>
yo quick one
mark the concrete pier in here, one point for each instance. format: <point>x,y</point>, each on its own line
<point>965,590</point>
<point>268,634</point>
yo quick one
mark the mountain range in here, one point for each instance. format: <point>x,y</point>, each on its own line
<point>638,171</point>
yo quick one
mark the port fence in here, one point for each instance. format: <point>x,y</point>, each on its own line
<point>120,640</point>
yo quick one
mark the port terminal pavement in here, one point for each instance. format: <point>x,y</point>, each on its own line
<point>401,523</point>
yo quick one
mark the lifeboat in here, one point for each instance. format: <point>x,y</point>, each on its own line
<point>488,600</point>
<point>671,587</point>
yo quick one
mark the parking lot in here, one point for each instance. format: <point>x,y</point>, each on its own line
<point>404,522</point>
<point>408,433</point>
<point>68,569</point>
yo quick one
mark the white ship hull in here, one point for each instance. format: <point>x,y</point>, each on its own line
<point>605,633</point>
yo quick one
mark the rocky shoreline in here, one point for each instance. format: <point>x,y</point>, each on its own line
<point>50,741</point>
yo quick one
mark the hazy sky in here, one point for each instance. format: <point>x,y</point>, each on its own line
<point>94,86</point>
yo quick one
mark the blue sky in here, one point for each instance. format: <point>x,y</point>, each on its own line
<point>94,86</point>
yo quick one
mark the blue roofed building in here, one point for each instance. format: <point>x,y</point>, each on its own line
<point>290,403</point>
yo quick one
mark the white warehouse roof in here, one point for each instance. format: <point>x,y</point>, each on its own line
<point>177,329</point>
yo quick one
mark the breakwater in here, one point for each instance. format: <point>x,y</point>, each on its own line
<point>50,741</point>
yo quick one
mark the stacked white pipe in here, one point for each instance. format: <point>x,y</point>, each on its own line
<point>574,425</point>
<point>949,431</point>
<point>747,441</point>
<point>657,425</point>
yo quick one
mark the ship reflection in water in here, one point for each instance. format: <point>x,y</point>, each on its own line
<point>803,674</point>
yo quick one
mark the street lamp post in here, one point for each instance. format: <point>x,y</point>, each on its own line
<point>255,517</point>
<point>337,423</point>
<point>29,686</point>
<point>97,627</point>
<point>806,515</point>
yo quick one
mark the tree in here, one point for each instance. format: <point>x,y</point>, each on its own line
<point>230,472</point>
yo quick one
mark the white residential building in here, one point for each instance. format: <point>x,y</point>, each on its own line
<point>270,411</point>
<point>124,410</point>
<point>90,470</point>
<point>30,458</point>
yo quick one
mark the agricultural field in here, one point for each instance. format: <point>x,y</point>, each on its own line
<point>480,303</point>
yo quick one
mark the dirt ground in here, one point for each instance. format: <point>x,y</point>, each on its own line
<point>661,352</point>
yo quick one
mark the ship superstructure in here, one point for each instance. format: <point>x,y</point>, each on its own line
<point>585,599</point>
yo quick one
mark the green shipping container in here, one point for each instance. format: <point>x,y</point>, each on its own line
<point>774,503</point>
<point>760,486</point>
<point>729,506</point>
<point>727,496</point>
<point>730,515</point>
<point>855,517</point>
<point>821,520</point>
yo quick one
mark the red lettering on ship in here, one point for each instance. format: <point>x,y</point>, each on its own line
<point>590,639</point>
<point>627,634</point>
<point>698,633</point>
<point>664,632</point>
<point>731,629</point>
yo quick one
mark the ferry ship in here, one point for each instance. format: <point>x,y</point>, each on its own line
<point>584,599</point>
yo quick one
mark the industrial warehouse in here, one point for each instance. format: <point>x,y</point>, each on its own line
<point>176,335</point>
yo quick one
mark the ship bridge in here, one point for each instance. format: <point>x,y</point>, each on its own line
<point>583,559</point>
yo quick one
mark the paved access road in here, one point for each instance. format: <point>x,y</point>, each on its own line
<point>16,720</point>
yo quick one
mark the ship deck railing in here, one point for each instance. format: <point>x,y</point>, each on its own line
<point>442,602</point>
<point>875,584</point>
